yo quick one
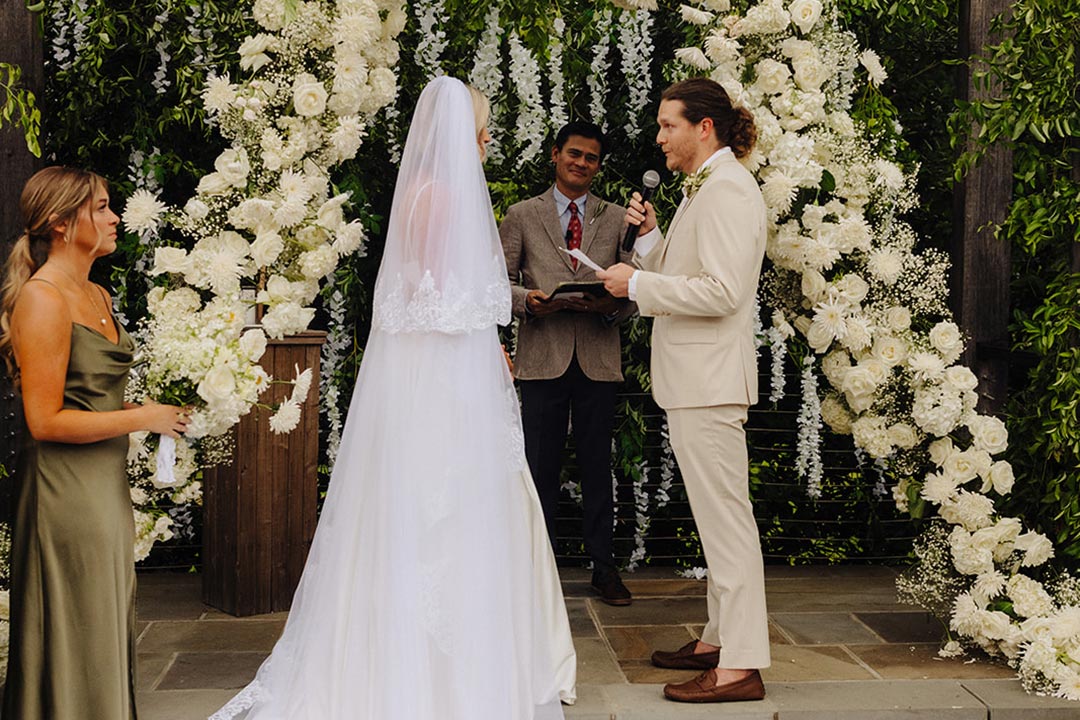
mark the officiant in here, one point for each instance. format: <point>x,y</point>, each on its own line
<point>568,360</point>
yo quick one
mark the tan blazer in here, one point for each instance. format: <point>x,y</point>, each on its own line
<point>700,284</point>
<point>531,238</point>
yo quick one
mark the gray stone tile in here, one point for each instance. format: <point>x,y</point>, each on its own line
<point>643,672</point>
<point>904,627</point>
<point>211,636</point>
<point>1007,700</point>
<point>921,662</point>
<point>824,628</point>
<point>637,642</point>
<point>667,587</point>
<point>181,704</point>
<point>592,704</point>
<point>596,664</point>
<point>653,611</point>
<point>800,663</point>
<point>581,622</point>
<point>646,702</point>
<point>213,670</point>
<point>149,668</point>
<point>169,596</point>
<point>795,599</point>
<point>875,700</point>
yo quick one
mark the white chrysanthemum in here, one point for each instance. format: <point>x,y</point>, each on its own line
<point>988,586</point>
<point>349,238</point>
<point>889,174</point>
<point>695,16</point>
<point>870,60</point>
<point>218,94</point>
<point>779,192</point>
<point>286,418</point>
<point>938,488</point>
<point>142,212</point>
<point>971,510</point>
<point>926,366</point>
<point>347,137</point>
<point>693,56</point>
<point>350,70</point>
<point>301,386</point>
<point>886,264</point>
<point>858,333</point>
<point>382,89</point>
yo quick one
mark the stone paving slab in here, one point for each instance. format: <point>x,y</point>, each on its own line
<point>1007,700</point>
<point>825,628</point>
<point>875,700</point>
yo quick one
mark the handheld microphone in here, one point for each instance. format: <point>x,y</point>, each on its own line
<point>649,181</point>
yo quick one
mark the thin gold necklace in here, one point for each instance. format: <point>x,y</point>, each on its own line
<point>93,303</point>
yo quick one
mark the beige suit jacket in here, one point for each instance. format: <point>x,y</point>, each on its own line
<point>531,238</point>
<point>700,284</point>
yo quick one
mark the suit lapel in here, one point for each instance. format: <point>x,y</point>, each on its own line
<point>717,170</point>
<point>545,209</point>
<point>594,206</point>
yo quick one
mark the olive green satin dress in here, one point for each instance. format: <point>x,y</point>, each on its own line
<point>72,652</point>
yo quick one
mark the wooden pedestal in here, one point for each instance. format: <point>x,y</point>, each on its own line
<point>260,510</point>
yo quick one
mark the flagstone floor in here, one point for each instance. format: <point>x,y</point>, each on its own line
<point>842,647</point>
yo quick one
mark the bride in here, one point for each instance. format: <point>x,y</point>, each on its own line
<point>430,592</point>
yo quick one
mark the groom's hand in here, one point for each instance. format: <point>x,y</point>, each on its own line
<point>617,279</point>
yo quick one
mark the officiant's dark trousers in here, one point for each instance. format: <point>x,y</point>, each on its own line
<point>547,408</point>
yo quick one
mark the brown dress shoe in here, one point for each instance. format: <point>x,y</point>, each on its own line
<point>702,689</point>
<point>686,659</point>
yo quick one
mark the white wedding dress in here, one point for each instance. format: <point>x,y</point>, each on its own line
<point>430,591</point>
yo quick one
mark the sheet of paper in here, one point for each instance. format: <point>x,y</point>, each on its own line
<point>582,258</point>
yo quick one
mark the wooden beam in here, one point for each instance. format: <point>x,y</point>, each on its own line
<point>981,262</point>
<point>20,44</point>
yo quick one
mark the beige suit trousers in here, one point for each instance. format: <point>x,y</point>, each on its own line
<point>710,447</point>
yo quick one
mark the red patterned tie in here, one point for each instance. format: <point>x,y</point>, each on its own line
<point>573,231</point>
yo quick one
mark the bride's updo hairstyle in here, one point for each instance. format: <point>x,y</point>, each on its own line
<point>704,98</point>
<point>53,196</point>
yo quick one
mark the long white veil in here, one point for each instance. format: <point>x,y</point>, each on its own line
<point>423,597</point>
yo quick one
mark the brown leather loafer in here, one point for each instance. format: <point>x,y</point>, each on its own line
<point>686,659</point>
<point>703,690</point>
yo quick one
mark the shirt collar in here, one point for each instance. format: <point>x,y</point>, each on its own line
<point>714,157</point>
<point>562,202</point>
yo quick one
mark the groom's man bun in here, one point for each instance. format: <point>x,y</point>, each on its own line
<point>705,98</point>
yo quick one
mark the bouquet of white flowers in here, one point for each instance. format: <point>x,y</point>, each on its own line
<point>264,227</point>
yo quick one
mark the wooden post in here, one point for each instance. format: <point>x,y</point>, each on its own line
<point>981,262</point>
<point>20,44</point>
<point>260,510</point>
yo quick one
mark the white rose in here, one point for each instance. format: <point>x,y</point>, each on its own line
<point>217,385</point>
<point>805,14</point>
<point>989,434</point>
<point>890,351</point>
<point>266,248</point>
<point>961,379</point>
<point>819,337</point>
<point>961,466</point>
<point>170,260</point>
<point>940,450</point>
<point>946,339</point>
<point>772,76</point>
<point>330,214</point>
<point>309,96</point>
<point>898,318</point>
<point>1001,477</point>
<point>902,435</point>
<point>319,262</point>
<point>1037,548</point>
<point>859,381</point>
<point>814,285</point>
<point>196,209</point>
<point>253,51</point>
<point>810,73</point>
<point>212,184</point>
<point>852,288</point>
<point>253,344</point>
<point>233,166</point>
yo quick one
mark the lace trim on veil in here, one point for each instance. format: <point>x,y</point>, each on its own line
<point>242,702</point>
<point>454,309</point>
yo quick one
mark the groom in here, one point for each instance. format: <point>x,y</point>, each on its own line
<point>568,361</point>
<point>699,282</point>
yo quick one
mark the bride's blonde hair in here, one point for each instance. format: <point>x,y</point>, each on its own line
<point>481,108</point>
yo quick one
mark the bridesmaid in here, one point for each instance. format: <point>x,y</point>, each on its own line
<point>72,650</point>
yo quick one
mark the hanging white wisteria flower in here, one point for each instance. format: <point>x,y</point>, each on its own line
<point>431,19</point>
<point>532,120</point>
<point>265,226</point>
<point>636,49</point>
<point>598,70</point>
<point>487,77</point>
<point>555,74</point>
<point>848,277</point>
